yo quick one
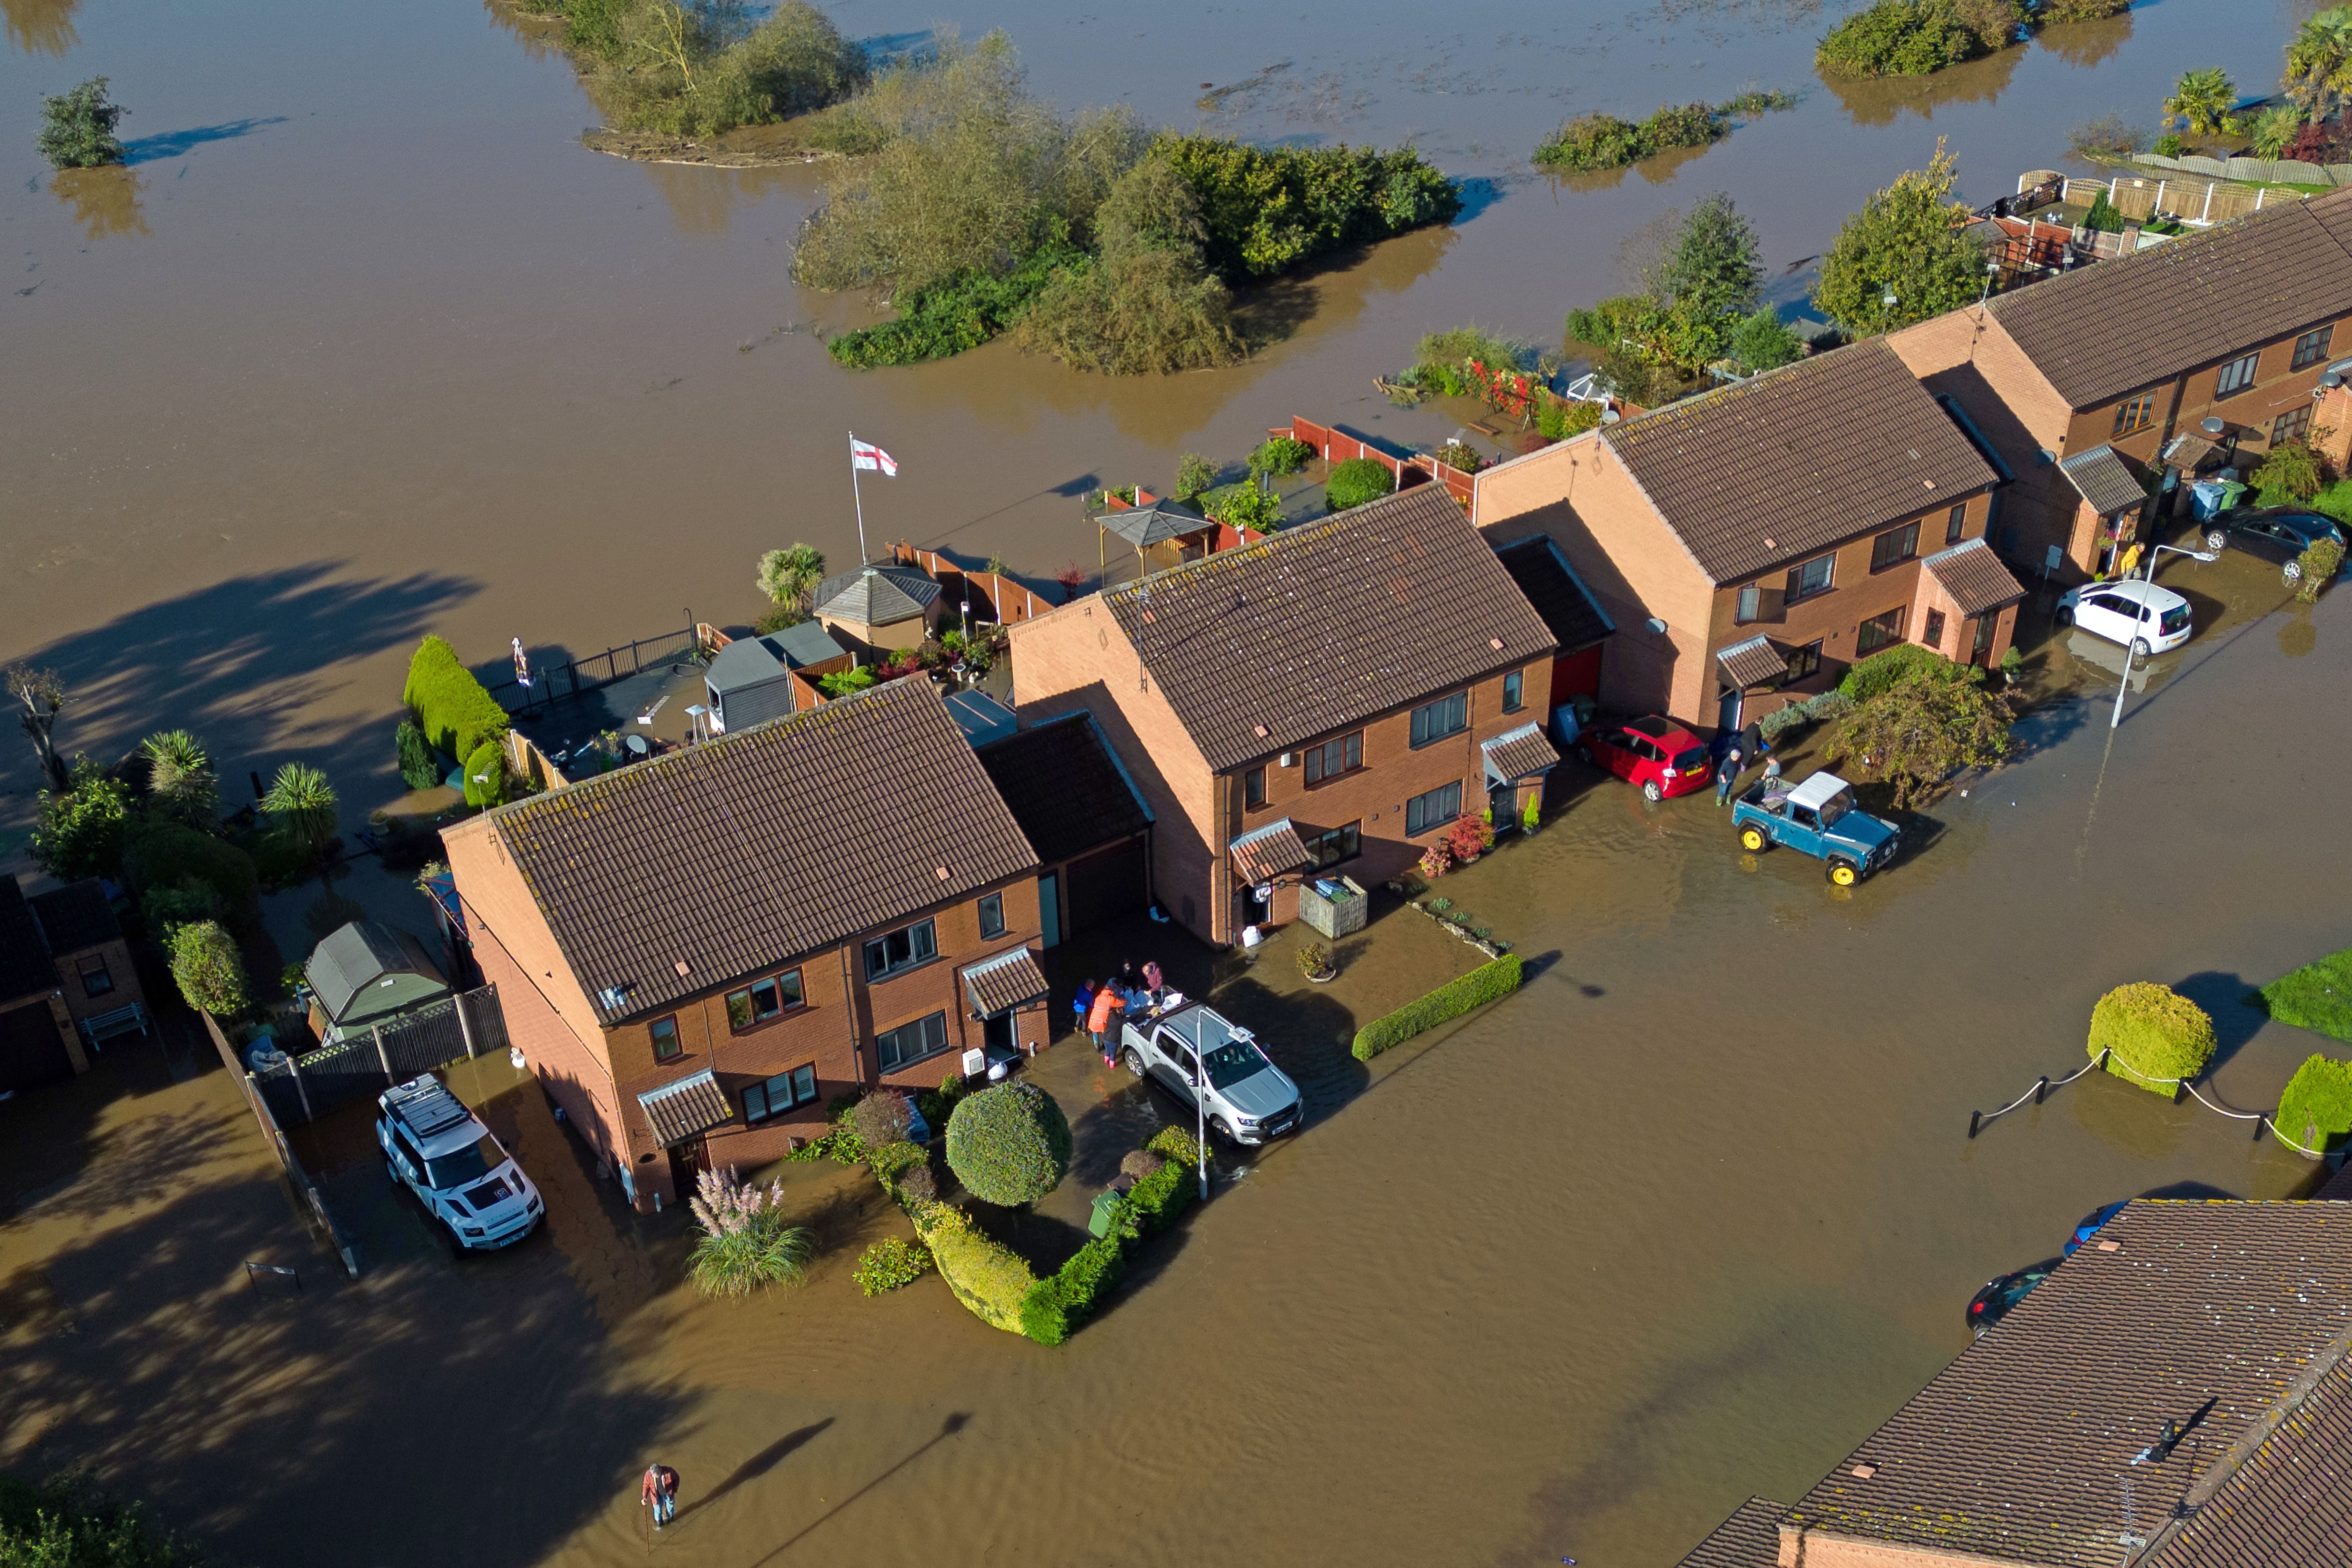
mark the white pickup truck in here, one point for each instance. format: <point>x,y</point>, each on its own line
<point>1249,1100</point>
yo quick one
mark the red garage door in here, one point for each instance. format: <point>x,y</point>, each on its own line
<point>31,1052</point>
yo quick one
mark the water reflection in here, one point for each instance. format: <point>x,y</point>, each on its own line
<point>702,200</point>
<point>540,37</point>
<point>1882,101</point>
<point>41,27</point>
<point>2137,1121</point>
<point>2298,636</point>
<point>1660,170</point>
<point>105,202</point>
<point>2087,43</point>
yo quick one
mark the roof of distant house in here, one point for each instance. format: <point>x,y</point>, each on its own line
<point>875,595</point>
<point>75,916</point>
<point>1326,625</point>
<point>667,878</point>
<point>1558,594</point>
<point>356,955</point>
<point>1066,787</point>
<point>25,967</point>
<point>1750,1538</point>
<point>1974,576</point>
<point>748,661</point>
<point>2101,331</point>
<point>2229,1318</point>
<point>1779,467</point>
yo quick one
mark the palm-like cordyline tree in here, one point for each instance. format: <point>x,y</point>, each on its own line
<point>180,775</point>
<point>301,805</point>
<point>2318,75</point>
<point>2201,101</point>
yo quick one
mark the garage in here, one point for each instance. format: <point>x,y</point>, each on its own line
<point>1108,884</point>
<point>32,1053</point>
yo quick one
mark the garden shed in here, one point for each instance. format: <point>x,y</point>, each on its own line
<point>366,974</point>
<point>882,606</point>
<point>751,677</point>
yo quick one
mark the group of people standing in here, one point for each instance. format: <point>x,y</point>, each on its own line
<point>1739,755</point>
<point>1100,1008</point>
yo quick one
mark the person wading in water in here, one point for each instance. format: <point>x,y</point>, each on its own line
<point>660,1490</point>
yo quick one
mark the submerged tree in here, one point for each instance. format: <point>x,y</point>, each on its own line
<point>77,129</point>
<point>2201,101</point>
<point>1905,256</point>
<point>40,695</point>
<point>1716,263</point>
<point>1922,730</point>
<point>301,806</point>
<point>790,578</point>
<point>2318,75</point>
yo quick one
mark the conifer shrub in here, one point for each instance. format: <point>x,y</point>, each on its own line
<point>455,712</point>
<point>2317,1108</point>
<point>2153,1035</point>
<point>1356,481</point>
<point>1008,1145</point>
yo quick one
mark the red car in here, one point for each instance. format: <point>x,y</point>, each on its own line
<point>1656,753</point>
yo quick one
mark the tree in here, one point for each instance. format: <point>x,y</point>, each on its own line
<point>1248,505</point>
<point>1904,257</point>
<point>301,806</point>
<point>1762,342</point>
<point>791,578</point>
<point>80,830</point>
<point>207,967</point>
<point>2276,129</point>
<point>1922,730</point>
<point>2292,471</point>
<point>1008,1145</point>
<point>70,1522</point>
<point>2318,75</point>
<point>180,776</point>
<point>1716,265</point>
<point>1194,474</point>
<point>39,696</point>
<point>78,130</point>
<point>2201,101</point>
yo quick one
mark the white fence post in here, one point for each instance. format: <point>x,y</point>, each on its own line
<point>465,1026</point>
<point>381,1054</point>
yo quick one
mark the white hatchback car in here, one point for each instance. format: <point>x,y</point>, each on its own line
<point>2142,616</point>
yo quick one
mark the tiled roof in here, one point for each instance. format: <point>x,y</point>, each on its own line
<point>1519,753</point>
<point>1558,594</point>
<point>2288,1503</point>
<point>75,916</point>
<point>1000,985</point>
<point>2101,478</point>
<point>669,878</point>
<point>2337,1188</point>
<point>1759,661</point>
<point>1750,1538</point>
<point>1066,787</point>
<point>1831,447</point>
<point>1264,853</point>
<point>25,967</point>
<point>1326,625</point>
<point>1145,526</point>
<point>2218,1315</point>
<point>693,1104</point>
<point>2110,327</point>
<point>877,596</point>
<point>1974,576</point>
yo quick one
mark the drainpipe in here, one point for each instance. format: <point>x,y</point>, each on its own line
<point>849,1008</point>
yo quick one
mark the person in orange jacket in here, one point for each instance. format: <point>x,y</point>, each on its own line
<point>1108,1006</point>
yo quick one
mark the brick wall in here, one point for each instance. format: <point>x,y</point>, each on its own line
<point>78,1003</point>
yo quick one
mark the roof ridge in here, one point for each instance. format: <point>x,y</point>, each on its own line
<point>2168,253</point>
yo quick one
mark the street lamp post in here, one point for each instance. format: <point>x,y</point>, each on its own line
<point>2131,652</point>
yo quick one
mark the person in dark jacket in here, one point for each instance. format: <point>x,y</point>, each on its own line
<point>1751,741</point>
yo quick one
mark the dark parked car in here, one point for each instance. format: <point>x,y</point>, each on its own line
<point>2276,534</point>
<point>1992,1303</point>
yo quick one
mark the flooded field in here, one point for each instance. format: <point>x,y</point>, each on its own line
<point>364,345</point>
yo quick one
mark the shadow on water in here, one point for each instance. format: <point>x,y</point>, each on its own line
<point>179,143</point>
<point>954,1423</point>
<point>758,1465</point>
<point>2224,997</point>
<point>2190,1191</point>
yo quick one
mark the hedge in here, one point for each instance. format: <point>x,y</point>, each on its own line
<point>1882,671</point>
<point>485,773</point>
<point>2318,996</point>
<point>2154,1036</point>
<point>455,712</point>
<point>166,854</point>
<point>2317,1102</point>
<point>1055,1307</point>
<point>991,1279</point>
<point>1356,481</point>
<point>1487,983</point>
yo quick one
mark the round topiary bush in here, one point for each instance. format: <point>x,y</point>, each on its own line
<point>2317,1108</point>
<point>2154,1034</point>
<point>1356,481</point>
<point>1008,1145</point>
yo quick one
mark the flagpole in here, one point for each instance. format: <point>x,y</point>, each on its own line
<point>857,498</point>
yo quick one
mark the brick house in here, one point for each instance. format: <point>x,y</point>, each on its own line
<point>1080,810</point>
<point>1751,542</point>
<point>2131,358</point>
<point>1577,623</point>
<point>1330,697</point>
<point>696,954</point>
<point>2177,1395</point>
<point>64,966</point>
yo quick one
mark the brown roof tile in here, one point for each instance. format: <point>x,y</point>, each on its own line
<point>2110,327</point>
<point>1519,753</point>
<point>774,841</point>
<point>1975,578</point>
<point>1326,625</point>
<point>75,916</point>
<point>696,1103</point>
<point>1750,1538</point>
<point>1067,790</point>
<point>1000,985</point>
<point>1567,606</point>
<point>2101,477</point>
<point>1759,661</point>
<point>1825,449</point>
<point>2289,1503</point>
<point>2022,1448</point>
<point>1264,853</point>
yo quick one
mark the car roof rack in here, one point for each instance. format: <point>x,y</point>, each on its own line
<point>426,1107</point>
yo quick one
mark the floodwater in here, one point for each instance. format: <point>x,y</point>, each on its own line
<point>363,346</point>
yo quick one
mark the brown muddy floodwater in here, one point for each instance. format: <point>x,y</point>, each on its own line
<point>363,345</point>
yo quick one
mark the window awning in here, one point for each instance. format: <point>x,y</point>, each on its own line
<point>1759,661</point>
<point>1520,753</point>
<point>690,1106</point>
<point>1264,853</point>
<point>2101,478</point>
<point>1004,984</point>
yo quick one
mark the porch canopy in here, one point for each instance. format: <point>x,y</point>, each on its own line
<point>1759,661</point>
<point>1975,578</point>
<point>1516,754</point>
<point>1005,984</point>
<point>1264,853</point>
<point>692,1105</point>
<point>2102,477</point>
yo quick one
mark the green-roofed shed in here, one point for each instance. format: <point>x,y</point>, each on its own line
<point>366,974</point>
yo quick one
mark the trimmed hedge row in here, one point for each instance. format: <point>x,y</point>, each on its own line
<point>1055,1307</point>
<point>455,712</point>
<point>1487,983</point>
<point>1884,671</point>
<point>990,1279</point>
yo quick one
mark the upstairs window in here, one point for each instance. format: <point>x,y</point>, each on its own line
<point>901,950</point>
<point>761,1000</point>
<point>2311,347</point>
<point>2134,414</point>
<point>1957,525</point>
<point>1254,788</point>
<point>1332,758</point>
<point>1818,575</point>
<point>1897,545</point>
<point>1446,716</point>
<point>1751,603</point>
<point>1513,686</point>
<point>665,1037</point>
<point>2236,376</point>
<point>992,916</point>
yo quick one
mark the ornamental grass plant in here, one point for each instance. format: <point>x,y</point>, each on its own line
<point>747,1244</point>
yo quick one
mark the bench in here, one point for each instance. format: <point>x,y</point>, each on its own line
<point>130,1020</point>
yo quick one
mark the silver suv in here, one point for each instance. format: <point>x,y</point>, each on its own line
<point>436,1149</point>
<point>1249,1100</point>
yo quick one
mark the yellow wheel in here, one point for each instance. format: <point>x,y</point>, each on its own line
<point>1841,873</point>
<point>1752,840</point>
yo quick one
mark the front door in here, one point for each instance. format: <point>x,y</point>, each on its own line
<point>1726,715</point>
<point>998,1034</point>
<point>1502,806</point>
<point>1981,648</point>
<point>1049,907</point>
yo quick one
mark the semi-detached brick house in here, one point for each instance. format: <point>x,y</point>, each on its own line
<point>63,963</point>
<point>1751,542</point>
<point>2129,358</point>
<point>698,952</point>
<point>1332,697</point>
<point>2175,1396</point>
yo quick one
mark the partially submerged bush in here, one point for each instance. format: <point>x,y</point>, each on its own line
<point>1008,1145</point>
<point>1280,455</point>
<point>2319,562</point>
<point>1137,1163</point>
<point>1899,37</point>
<point>70,1523</point>
<point>701,68</point>
<point>960,311</point>
<point>2153,1034</point>
<point>891,1262</point>
<point>2317,1108</point>
<point>1866,678</point>
<point>171,855</point>
<point>990,1279</point>
<point>1268,209</point>
<point>1176,1143</point>
<point>208,969</point>
<point>883,1117</point>
<point>78,128</point>
<point>1481,985</point>
<point>2109,136</point>
<point>746,1243</point>
<point>1356,481</point>
<point>455,712</point>
<point>80,833</point>
<point>419,769</point>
